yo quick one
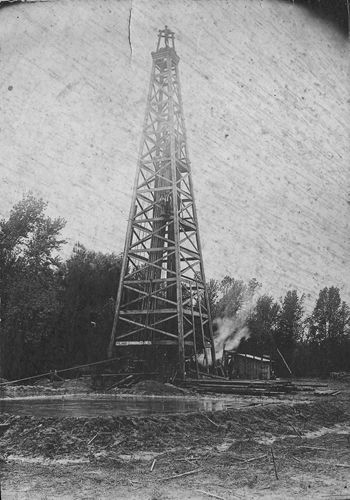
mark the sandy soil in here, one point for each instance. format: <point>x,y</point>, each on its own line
<point>228,455</point>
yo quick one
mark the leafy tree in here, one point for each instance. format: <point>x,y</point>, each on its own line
<point>330,317</point>
<point>328,330</point>
<point>29,262</point>
<point>262,324</point>
<point>29,236</point>
<point>235,294</point>
<point>290,325</point>
<point>253,286</point>
<point>89,286</point>
<point>213,289</point>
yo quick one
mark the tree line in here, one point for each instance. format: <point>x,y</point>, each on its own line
<point>313,344</point>
<point>54,314</point>
<point>57,313</point>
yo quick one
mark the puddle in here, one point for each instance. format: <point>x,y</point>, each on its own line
<point>92,407</point>
<point>336,429</point>
<point>46,461</point>
<point>144,456</point>
<point>225,445</point>
<point>268,441</point>
<point>340,429</point>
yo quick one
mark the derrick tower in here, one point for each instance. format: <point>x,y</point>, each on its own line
<point>162,311</point>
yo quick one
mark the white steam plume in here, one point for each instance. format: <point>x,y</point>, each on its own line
<point>229,332</point>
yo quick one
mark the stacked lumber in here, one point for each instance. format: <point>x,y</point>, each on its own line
<point>249,387</point>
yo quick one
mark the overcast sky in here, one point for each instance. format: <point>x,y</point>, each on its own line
<point>266,101</point>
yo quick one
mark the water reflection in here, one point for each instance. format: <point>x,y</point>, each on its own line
<point>89,407</point>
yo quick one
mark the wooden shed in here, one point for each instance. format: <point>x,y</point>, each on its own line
<point>247,366</point>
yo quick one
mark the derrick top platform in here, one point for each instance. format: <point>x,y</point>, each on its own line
<point>165,45</point>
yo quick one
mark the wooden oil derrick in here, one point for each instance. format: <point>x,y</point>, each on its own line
<point>162,310</point>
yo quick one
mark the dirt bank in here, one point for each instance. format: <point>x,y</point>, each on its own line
<point>81,437</point>
<point>225,454</point>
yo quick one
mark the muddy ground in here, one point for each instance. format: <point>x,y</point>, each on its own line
<point>281,449</point>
